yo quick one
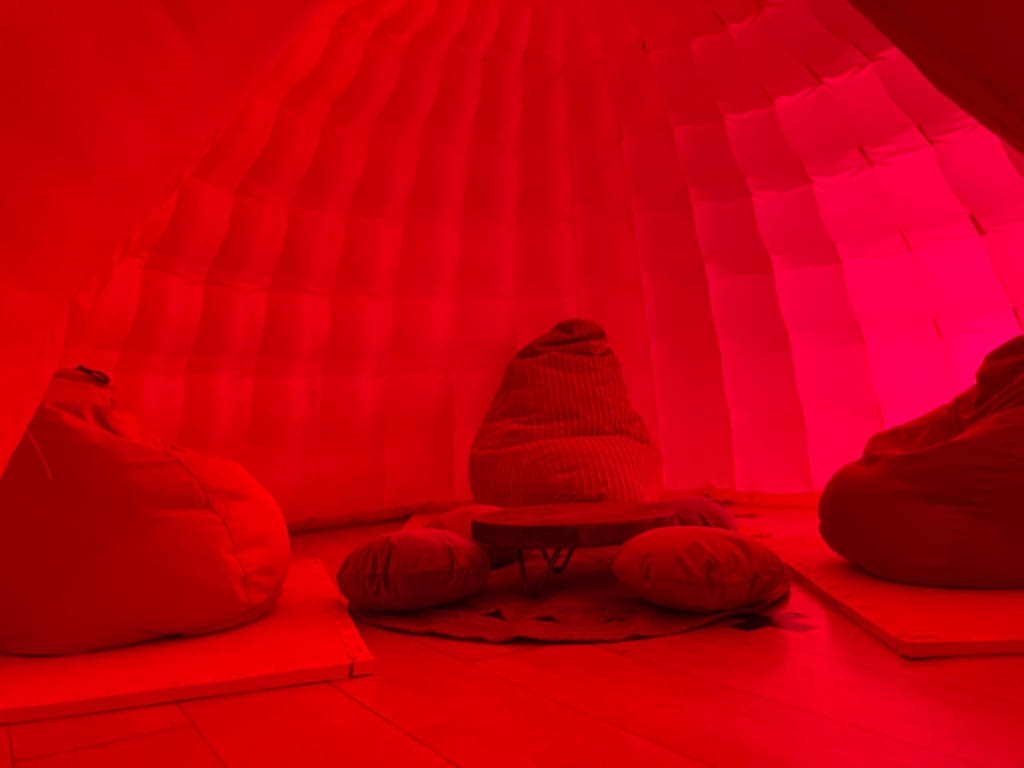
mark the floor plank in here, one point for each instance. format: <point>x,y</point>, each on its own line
<point>473,650</point>
<point>964,724</point>
<point>719,696</point>
<point>65,734</point>
<point>998,676</point>
<point>306,725</point>
<point>839,637</point>
<point>173,748</point>
<point>704,720</point>
<point>779,521</point>
<point>475,718</point>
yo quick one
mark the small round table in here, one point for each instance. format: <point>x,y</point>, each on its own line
<point>565,527</point>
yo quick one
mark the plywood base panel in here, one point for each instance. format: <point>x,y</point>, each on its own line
<point>307,637</point>
<point>918,622</point>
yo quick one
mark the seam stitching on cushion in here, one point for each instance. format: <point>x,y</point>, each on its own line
<point>40,452</point>
<point>231,538</point>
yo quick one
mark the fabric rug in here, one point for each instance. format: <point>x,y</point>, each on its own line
<point>583,603</point>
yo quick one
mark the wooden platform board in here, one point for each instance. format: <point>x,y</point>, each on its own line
<point>569,525</point>
<point>918,622</point>
<point>420,520</point>
<point>307,637</point>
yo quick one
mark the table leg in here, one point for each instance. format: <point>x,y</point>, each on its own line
<point>565,560</point>
<point>552,560</point>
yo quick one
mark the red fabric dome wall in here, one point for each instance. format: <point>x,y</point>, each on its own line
<point>791,237</point>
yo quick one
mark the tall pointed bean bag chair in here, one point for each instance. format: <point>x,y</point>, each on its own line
<point>939,501</point>
<point>109,536</point>
<point>561,428</point>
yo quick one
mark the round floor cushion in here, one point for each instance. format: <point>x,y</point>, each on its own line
<point>411,569</point>
<point>938,501</point>
<point>583,603</point>
<point>701,570</point>
<point>109,536</point>
<point>561,428</point>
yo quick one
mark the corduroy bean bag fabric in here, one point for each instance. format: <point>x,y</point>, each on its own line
<point>561,428</point>
<point>939,501</point>
<point>109,536</point>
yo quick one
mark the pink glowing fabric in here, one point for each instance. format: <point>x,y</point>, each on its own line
<point>561,429</point>
<point>110,537</point>
<point>937,501</point>
<point>791,237</point>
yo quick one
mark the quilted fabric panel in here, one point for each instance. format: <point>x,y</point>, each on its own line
<point>791,237</point>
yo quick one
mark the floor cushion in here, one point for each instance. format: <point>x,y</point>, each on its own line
<point>109,536</point>
<point>561,428</point>
<point>411,569</point>
<point>459,520</point>
<point>938,501</point>
<point>698,569</point>
<point>702,511</point>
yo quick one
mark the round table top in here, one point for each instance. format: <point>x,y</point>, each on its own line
<point>569,525</point>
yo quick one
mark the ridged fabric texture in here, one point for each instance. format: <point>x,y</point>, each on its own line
<point>111,537</point>
<point>561,428</point>
<point>792,239</point>
<point>702,570</point>
<point>106,108</point>
<point>409,570</point>
<point>937,501</point>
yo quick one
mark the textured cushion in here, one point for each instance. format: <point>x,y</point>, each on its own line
<point>691,568</point>
<point>937,501</point>
<point>109,536</point>
<point>406,570</point>
<point>702,511</point>
<point>561,428</point>
<point>459,521</point>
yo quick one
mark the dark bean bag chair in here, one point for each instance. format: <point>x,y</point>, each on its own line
<point>939,501</point>
<point>561,428</point>
<point>109,536</point>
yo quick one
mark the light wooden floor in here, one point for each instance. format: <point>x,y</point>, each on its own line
<point>718,696</point>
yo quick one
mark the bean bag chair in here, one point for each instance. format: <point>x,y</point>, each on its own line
<point>409,570</point>
<point>561,428</point>
<point>939,501</point>
<point>699,569</point>
<point>110,536</point>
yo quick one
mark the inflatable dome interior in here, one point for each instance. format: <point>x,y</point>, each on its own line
<point>309,236</point>
<point>274,267</point>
